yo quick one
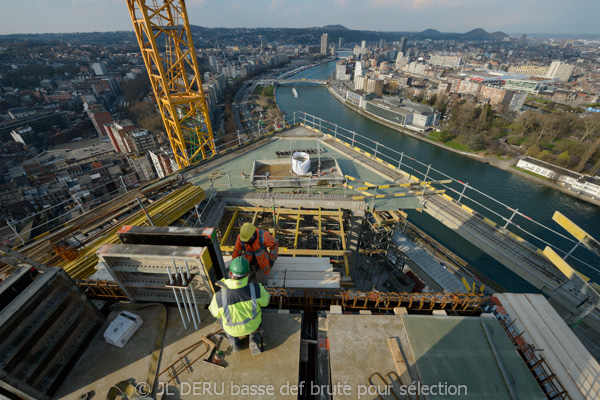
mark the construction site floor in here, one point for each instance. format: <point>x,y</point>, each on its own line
<point>299,138</point>
<point>103,365</point>
<point>447,350</point>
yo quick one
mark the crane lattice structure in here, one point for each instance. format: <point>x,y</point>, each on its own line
<point>174,75</point>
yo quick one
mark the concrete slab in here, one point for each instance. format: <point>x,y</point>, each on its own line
<point>301,138</point>
<point>447,350</point>
<point>103,365</point>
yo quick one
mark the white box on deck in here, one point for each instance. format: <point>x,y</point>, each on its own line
<point>122,328</point>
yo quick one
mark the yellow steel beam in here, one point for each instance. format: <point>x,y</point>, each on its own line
<point>181,100</point>
<point>409,193</point>
<point>579,234</point>
<point>562,264</point>
<point>254,218</point>
<point>283,211</point>
<point>305,252</point>
<point>297,230</point>
<point>229,228</point>
<point>393,185</point>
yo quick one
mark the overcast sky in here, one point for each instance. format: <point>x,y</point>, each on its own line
<point>509,16</point>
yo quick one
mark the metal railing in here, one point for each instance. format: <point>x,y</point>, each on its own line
<point>402,161</point>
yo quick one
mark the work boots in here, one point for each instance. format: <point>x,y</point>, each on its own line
<point>256,341</point>
<point>255,348</point>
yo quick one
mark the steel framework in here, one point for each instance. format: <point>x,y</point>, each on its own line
<point>174,75</point>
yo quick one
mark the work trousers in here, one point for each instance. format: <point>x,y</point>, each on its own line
<point>254,336</point>
<point>256,274</point>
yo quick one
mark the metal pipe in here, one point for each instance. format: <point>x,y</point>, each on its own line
<point>179,307</point>
<point>144,210</point>
<point>185,305</point>
<point>195,304</point>
<point>187,296</point>
<point>187,270</point>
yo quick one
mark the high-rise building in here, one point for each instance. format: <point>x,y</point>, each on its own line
<point>381,43</point>
<point>341,42</point>
<point>523,39</point>
<point>403,45</point>
<point>374,86</point>
<point>358,69</point>
<point>324,43</point>
<point>360,82</point>
<point>401,60</point>
<point>363,44</point>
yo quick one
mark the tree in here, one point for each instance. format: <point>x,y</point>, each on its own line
<point>446,136</point>
<point>591,124</point>
<point>588,155</point>
<point>527,121</point>
<point>545,155</point>
<point>563,159</point>
<point>533,150</point>
<point>476,143</point>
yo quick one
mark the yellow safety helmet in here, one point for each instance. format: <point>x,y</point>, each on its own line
<point>247,231</point>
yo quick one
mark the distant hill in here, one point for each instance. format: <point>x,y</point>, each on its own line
<point>499,36</point>
<point>477,34</point>
<point>431,33</point>
<point>335,28</point>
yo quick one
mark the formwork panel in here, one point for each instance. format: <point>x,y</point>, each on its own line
<point>42,330</point>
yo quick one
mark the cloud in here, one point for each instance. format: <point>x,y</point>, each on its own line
<point>341,3</point>
<point>275,4</point>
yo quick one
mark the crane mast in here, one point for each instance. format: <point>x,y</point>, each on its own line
<point>174,75</point>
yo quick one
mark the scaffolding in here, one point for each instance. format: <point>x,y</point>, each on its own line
<point>300,232</point>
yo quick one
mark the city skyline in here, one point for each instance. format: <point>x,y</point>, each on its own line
<point>510,16</point>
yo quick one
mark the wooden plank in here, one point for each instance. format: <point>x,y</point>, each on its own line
<point>308,284</point>
<point>401,367</point>
<point>302,260</point>
<point>295,275</point>
<point>302,268</point>
<point>525,316</point>
<point>587,368</point>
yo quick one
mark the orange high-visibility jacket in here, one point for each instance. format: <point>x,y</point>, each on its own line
<point>259,249</point>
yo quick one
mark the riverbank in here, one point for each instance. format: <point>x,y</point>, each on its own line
<point>503,164</point>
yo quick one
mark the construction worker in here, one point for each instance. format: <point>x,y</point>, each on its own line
<point>237,306</point>
<point>253,243</point>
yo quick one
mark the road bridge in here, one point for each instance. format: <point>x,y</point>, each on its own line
<point>286,81</point>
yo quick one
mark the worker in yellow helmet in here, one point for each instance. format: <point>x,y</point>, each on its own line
<point>237,306</point>
<point>260,248</point>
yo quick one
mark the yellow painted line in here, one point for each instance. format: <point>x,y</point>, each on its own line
<point>562,264</point>
<point>347,144</point>
<point>467,209</point>
<point>447,197</point>
<point>489,221</point>
<point>380,160</point>
<point>514,236</point>
<point>367,154</point>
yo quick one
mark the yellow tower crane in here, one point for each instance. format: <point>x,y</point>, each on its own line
<point>174,75</point>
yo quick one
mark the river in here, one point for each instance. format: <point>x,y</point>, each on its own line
<point>534,200</point>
